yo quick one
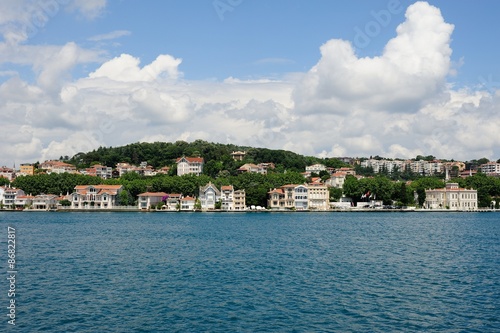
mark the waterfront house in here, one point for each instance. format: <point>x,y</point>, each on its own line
<point>44,202</point>
<point>174,201</point>
<point>149,200</point>
<point>23,201</point>
<point>301,197</point>
<point>231,199</point>
<point>314,196</point>
<point>276,199</point>
<point>187,203</point>
<point>96,196</point>
<point>318,196</point>
<point>239,202</point>
<point>8,195</point>
<point>209,195</point>
<point>451,197</point>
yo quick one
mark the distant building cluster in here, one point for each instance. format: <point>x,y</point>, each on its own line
<point>421,167</point>
<point>313,194</point>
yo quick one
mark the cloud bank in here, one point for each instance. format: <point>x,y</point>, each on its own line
<point>398,104</point>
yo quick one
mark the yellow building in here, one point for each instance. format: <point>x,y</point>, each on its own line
<point>27,169</point>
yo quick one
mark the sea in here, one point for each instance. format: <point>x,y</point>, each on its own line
<point>250,272</point>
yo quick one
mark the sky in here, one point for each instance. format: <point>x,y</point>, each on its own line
<point>393,78</point>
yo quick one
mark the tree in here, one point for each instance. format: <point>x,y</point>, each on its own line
<point>65,203</point>
<point>352,188</point>
<point>401,194</point>
<point>335,193</point>
<point>125,198</point>
<point>197,204</point>
<point>4,181</point>
<point>218,204</point>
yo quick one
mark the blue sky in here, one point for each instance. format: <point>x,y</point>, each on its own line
<point>251,34</point>
<point>252,72</point>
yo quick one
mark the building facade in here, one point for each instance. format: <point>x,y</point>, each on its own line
<point>96,196</point>
<point>299,197</point>
<point>490,168</point>
<point>209,195</point>
<point>149,200</point>
<point>189,165</point>
<point>451,197</point>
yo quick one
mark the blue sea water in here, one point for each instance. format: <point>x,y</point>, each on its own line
<point>253,272</point>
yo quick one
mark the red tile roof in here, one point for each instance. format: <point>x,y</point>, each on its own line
<point>190,159</point>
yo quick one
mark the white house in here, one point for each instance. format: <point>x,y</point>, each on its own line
<point>23,201</point>
<point>318,196</point>
<point>451,197</point>
<point>208,196</point>
<point>58,167</point>
<point>337,179</point>
<point>9,194</point>
<point>45,202</point>
<point>96,196</point>
<point>490,168</point>
<point>7,173</point>
<point>187,203</point>
<point>149,200</point>
<point>189,165</point>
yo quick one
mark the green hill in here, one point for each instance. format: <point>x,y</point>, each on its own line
<point>217,156</point>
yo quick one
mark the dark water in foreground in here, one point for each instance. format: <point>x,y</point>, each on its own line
<point>253,272</point>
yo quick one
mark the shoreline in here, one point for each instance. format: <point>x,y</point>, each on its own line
<point>361,210</point>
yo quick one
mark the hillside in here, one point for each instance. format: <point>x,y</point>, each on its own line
<point>217,156</point>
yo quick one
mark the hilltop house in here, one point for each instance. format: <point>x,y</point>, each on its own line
<point>96,196</point>
<point>238,155</point>
<point>98,170</point>
<point>57,167</point>
<point>8,173</point>
<point>189,165</point>
<point>26,169</point>
<point>337,179</point>
<point>490,168</point>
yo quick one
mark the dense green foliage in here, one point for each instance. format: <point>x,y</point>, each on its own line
<point>4,181</point>
<point>217,156</point>
<point>53,183</point>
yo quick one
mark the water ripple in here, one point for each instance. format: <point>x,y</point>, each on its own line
<point>257,272</point>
